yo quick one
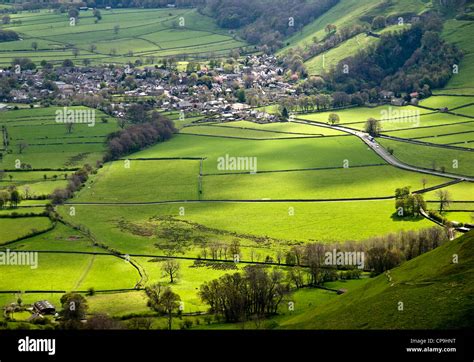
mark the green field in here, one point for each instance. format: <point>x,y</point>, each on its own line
<point>50,144</point>
<point>432,157</point>
<point>178,199</point>
<point>459,32</point>
<point>143,33</point>
<point>324,184</point>
<point>437,102</point>
<point>144,181</point>
<point>323,221</point>
<point>390,116</point>
<point>271,154</point>
<point>289,127</point>
<point>11,229</point>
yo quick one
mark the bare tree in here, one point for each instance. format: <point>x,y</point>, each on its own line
<point>22,146</point>
<point>444,198</point>
<point>69,127</point>
<point>122,122</point>
<point>424,181</point>
<point>171,267</point>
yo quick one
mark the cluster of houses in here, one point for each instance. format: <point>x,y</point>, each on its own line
<point>208,91</point>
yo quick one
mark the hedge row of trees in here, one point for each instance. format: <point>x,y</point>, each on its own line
<point>323,101</point>
<point>139,136</point>
<point>381,252</point>
<point>75,182</point>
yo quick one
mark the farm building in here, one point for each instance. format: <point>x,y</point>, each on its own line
<point>44,307</point>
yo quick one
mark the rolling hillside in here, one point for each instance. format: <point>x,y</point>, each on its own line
<point>122,35</point>
<point>435,292</point>
<point>345,14</point>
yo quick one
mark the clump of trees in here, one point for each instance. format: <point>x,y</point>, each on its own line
<point>241,296</point>
<point>8,35</point>
<point>164,301</point>
<point>333,38</point>
<point>373,127</point>
<point>74,310</point>
<point>9,196</point>
<point>407,203</point>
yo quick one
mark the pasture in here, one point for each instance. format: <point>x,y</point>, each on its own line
<point>459,32</point>
<point>276,154</point>
<point>11,229</point>
<point>430,157</point>
<point>121,36</point>
<point>49,144</point>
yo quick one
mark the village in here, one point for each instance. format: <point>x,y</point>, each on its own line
<point>225,93</point>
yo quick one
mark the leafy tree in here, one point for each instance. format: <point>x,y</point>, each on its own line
<point>97,14</point>
<point>378,22</point>
<point>163,300</point>
<point>373,127</point>
<point>333,118</point>
<point>15,198</point>
<point>74,309</point>
<point>67,63</point>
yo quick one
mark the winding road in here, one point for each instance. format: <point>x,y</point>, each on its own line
<point>382,152</point>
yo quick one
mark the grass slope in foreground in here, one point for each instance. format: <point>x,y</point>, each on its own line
<point>435,292</point>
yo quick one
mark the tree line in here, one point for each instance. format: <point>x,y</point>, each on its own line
<point>381,252</point>
<point>153,129</point>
